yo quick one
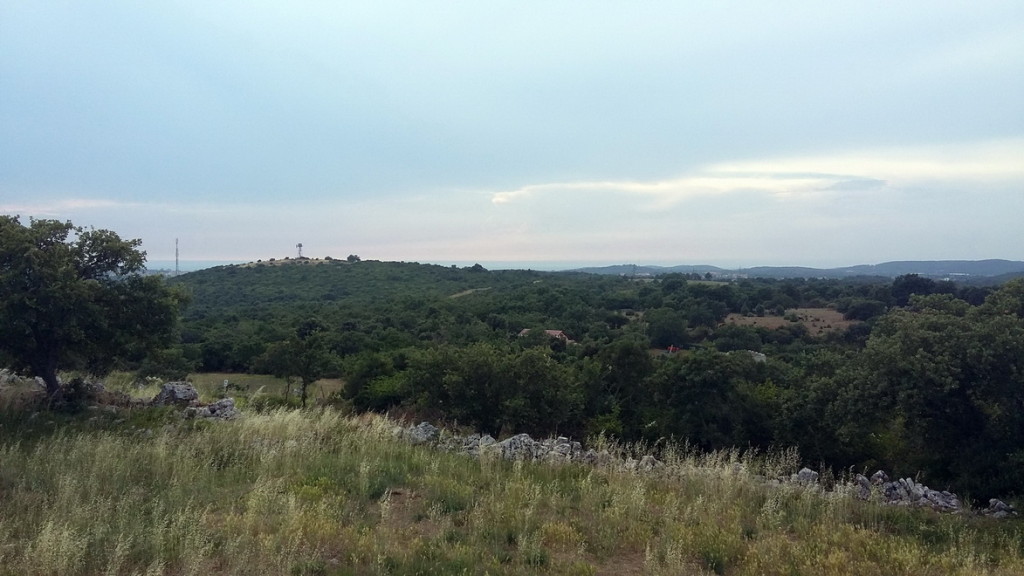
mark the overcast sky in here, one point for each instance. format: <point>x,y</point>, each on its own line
<point>729,133</point>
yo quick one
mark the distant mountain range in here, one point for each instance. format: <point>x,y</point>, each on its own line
<point>957,270</point>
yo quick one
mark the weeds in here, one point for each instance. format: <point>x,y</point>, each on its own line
<point>319,493</point>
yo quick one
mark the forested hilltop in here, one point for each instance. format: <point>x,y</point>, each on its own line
<point>978,272</point>
<point>913,375</point>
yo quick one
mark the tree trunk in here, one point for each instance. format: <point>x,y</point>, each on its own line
<point>49,375</point>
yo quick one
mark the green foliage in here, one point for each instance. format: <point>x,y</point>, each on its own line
<point>732,337</point>
<point>926,380</point>
<point>496,389</point>
<point>940,389</point>
<point>908,285</point>
<point>305,356</point>
<point>74,298</point>
<point>710,398</point>
<point>856,308</point>
<point>667,327</point>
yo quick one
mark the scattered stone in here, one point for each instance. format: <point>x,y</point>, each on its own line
<point>863,487</point>
<point>223,409</point>
<point>998,509</point>
<point>906,492</point>
<point>7,377</point>
<point>649,464</point>
<point>605,458</point>
<point>805,476</point>
<point>176,394</point>
<point>423,433</point>
<point>561,450</point>
<point>519,447</point>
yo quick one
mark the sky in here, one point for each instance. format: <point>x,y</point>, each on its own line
<point>540,133</point>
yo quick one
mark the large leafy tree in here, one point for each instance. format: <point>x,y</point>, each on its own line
<point>940,389</point>
<point>712,400</point>
<point>75,298</point>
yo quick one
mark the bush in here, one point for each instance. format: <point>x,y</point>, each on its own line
<point>267,402</point>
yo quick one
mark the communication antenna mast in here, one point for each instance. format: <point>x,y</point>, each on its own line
<point>299,246</point>
<point>175,256</point>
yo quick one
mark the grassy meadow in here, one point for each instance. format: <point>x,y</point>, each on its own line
<point>244,388</point>
<point>318,492</point>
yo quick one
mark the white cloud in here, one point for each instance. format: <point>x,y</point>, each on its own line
<point>990,161</point>
<point>843,208</point>
<point>664,193</point>
<point>62,208</point>
<point>810,177</point>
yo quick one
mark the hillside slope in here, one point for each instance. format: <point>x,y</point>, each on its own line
<point>960,270</point>
<point>317,493</point>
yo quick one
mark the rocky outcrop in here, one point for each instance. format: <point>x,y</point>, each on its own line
<point>805,476</point>
<point>8,378</point>
<point>223,409</point>
<point>184,394</point>
<point>521,447</point>
<point>905,492</point>
<point>176,394</point>
<point>422,433</point>
<point>646,464</point>
<point>998,509</point>
<point>11,378</point>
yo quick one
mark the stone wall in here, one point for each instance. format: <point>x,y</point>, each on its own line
<point>562,450</point>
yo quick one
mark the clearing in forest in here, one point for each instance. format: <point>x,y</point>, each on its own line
<point>819,321</point>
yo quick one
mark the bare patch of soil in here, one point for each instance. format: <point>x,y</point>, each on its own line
<point>404,511</point>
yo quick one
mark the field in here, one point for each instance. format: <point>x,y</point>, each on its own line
<point>819,321</point>
<point>315,492</point>
<point>249,384</point>
<point>211,386</point>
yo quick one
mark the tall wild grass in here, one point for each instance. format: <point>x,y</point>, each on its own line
<point>318,493</point>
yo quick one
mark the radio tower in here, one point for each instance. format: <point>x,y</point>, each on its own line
<point>299,246</point>
<point>175,256</point>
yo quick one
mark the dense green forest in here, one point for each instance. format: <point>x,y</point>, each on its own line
<point>921,377</point>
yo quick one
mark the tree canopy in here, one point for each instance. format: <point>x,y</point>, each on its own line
<point>304,356</point>
<point>923,376</point>
<point>75,298</point>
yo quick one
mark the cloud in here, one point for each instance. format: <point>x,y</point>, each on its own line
<point>808,177</point>
<point>841,208</point>
<point>988,161</point>
<point>666,192</point>
<point>63,207</point>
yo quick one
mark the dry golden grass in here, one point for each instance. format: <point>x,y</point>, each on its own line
<point>818,321</point>
<point>212,384</point>
<point>318,493</point>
